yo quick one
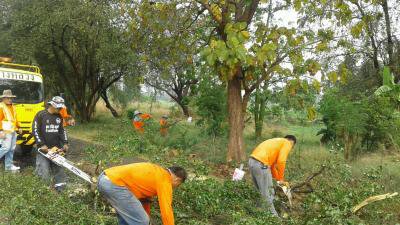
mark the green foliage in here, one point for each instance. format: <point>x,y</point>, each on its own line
<point>25,199</point>
<point>130,113</point>
<point>361,125</point>
<point>389,88</point>
<point>82,49</point>
<point>223,202</point>
<point>209,197</point>
<point>211,107</point>
<point>125,92</point>
<point>167,49</point>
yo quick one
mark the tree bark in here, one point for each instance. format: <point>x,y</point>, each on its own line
<point>235,108</point>
<point>390,45</point>
<point>108,104</point>
<point>259,113</point>
<point>185,108</point>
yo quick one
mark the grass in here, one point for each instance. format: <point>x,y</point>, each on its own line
<point>209,197</point>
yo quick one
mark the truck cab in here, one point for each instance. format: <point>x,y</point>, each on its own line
<point>26,83</point>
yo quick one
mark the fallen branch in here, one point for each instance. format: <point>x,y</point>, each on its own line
<point>373,199</point>
<point>296,187</point>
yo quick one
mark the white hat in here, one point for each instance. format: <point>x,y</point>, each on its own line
<point>137,112</point>
<point>7,94</point>
<point>57,102</point>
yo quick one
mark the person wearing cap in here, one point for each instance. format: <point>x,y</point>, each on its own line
<point>164,125</point>
<point>49,132</point>
<point>130,188</point>
<point>9,126</point>
<point>267,161</point>
<point>139,120</point>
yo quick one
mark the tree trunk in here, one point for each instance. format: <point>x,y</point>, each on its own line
<point>108,104</point>
<point>259,112</point>
<point>185,110</point>
<point>257,127</point>
<point>184,107</point>
<point>235,109</point>
<point>390,45</point>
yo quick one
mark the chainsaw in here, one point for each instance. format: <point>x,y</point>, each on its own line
<point>56,156</point>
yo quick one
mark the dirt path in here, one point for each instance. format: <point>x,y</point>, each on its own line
<point>26,159</point>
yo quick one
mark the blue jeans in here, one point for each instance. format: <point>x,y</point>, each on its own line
<point>7,149</point>
<point>129,209</point>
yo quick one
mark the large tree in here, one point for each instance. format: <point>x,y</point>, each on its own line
<point>80,46</point>
<point>246,50</point>
<point>366,30</point>
<point>165,35</point>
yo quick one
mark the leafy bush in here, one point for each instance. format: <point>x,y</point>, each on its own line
<point>360,125</point>
<point>130,113</point>
<point>211,107</point>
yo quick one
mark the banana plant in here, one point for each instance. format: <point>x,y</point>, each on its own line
<point>389,87</point>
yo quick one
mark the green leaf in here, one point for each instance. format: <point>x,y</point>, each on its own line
<point>297,5</point>
<point>388,78</point>
<point>322,46</point>
<point>210,60</point>
<point>311,113</point>
<point>382,90</point>
<point>357,29</point>
<point>317,85</point>
<point>332,76</point>
<point>232,41</point>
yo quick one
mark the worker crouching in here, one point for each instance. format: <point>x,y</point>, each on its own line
<point>130,188</point>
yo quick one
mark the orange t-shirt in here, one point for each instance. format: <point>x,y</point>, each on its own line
<point>64,114</point>
<point>274,153</point>
<point>138,125</point>
<point>2,117</point>
<point>164,127</point>
<point>146,180</point>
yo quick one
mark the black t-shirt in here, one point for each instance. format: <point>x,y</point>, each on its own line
<point>48,130</point>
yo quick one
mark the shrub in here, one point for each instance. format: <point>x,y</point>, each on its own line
<point>211,107</point>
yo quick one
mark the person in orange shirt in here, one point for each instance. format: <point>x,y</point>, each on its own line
<point>9,126</point>
<point>139,120</point>
<point>164,125</point>
<point>267,161</point>
<point>68,120</point>
<point>130,188</point>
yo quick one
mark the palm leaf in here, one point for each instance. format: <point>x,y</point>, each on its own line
<point>382,90</point>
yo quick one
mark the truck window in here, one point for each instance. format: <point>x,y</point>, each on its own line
<point>27,92</point>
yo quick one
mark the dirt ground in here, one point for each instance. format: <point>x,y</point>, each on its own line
<point>24,157</point>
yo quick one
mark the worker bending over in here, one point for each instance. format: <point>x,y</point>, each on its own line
<point>130,188</point>
<point>268,161</point>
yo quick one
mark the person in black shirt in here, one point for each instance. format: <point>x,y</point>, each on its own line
<point>49,132</point>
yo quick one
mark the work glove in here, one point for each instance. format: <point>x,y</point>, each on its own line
<point>19,131</point>
<point>284,183</point>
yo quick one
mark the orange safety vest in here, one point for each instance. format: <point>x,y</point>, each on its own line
<point>8,117</point>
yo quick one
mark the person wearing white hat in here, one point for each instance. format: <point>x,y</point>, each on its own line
<point>9,126</point>
<point>49,132</point>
